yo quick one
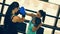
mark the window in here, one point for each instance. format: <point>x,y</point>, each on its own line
<point>2,21</point>
<point>45,0</point>
<point>59,15</point>
<point>9,1</point>
<point>47,31</point>
<point>57,32</point>
<point>0,8</point>
<point>55,1</point>
<point>49,21</point>
<point>5,9</point>
<point>58,23</point>
<point>1,1</point>
<point>51,9</point>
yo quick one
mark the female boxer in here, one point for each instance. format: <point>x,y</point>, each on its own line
<point>9,23</point>
<point>35,23</point>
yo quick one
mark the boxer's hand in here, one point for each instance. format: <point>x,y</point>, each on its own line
<point>22,11</point>
<point>34,29</point>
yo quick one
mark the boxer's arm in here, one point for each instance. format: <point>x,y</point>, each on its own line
<point>36,28</point>
<point>29,14</point>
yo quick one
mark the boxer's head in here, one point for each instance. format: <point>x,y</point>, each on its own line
<point>13,8</point>
<point>42,14</point>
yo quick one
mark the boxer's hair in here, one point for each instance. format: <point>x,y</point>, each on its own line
<point>11,7</point>
<point>43,14</point>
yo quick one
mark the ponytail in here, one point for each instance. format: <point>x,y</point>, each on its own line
<point>43,14</point>
<point>43,18</point>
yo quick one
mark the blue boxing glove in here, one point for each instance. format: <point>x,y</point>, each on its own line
<point>22,11</point>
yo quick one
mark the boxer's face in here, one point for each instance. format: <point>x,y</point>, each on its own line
<point>38,14</point>
<point>15,10</point>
